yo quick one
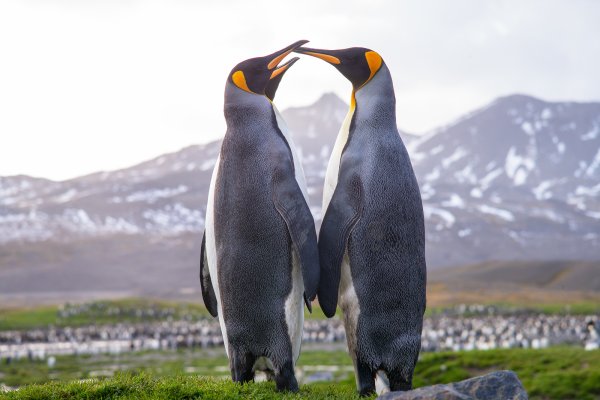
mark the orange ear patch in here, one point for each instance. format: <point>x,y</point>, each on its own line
<point>374,60</point>
<point>240,81</point>
<point>325,57</point>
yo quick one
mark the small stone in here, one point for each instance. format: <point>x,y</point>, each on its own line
<point>499,385</point>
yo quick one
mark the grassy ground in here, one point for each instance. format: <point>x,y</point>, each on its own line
<point>554,373</point>
<point>108,312</point>
<point>148,310</point>
<point>142,386</point>
<point>99,312</point>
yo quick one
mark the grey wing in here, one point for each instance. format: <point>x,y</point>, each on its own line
<point>208,293</point>
<point>341,216</point>
<point>292,207</point>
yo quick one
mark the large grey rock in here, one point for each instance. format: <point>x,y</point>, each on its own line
<point>499,385</point>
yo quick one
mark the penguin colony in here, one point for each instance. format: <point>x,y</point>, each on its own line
<point>261,260</point>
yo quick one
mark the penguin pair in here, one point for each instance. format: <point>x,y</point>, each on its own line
<point>260,255</point>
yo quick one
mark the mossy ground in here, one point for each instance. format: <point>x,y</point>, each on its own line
<point>554,373</point>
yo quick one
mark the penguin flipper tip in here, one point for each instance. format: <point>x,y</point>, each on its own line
<point>308,303</point>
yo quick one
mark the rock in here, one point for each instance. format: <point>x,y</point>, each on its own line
<point>499,385</point>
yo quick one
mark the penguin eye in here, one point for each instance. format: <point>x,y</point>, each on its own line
<point>239,79</point>
<point>374,60</point>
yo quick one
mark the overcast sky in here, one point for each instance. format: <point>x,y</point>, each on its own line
<point>88,85</point>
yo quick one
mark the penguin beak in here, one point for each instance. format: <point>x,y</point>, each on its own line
<point>281,69</point>
<point>276,77</point>
<point>275,58</point>
<point>324,55</point>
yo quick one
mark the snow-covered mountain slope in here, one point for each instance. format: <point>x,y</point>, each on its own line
<point>517,179</point>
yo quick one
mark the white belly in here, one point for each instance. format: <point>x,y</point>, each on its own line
<point>348,302</point>
<point>294,308</point>
<point>333,167</point>
<point>211,249</point>
<point>347,299</point>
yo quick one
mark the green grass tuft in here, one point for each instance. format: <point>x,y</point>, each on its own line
<point>553,373</point>
<point>125,386</point>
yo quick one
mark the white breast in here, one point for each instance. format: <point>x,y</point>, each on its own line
<point>347,299</point>
<point>211,249</point>
<point>333,167</point>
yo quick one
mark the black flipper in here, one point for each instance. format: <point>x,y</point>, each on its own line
<point>342,214</point>
<point>208,293</point>
<point>292,207</point>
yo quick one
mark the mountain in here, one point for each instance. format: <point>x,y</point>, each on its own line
<point>516,180</point>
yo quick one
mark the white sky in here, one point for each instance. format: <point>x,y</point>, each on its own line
<point>88,85</point>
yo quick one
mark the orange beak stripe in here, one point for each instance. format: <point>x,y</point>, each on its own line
<point>325,57</point>
<point>278,59</point>
<point>279,70</point>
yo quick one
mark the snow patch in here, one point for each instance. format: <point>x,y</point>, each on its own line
<point>546,113</point>
<point>207,165</point>
<point>593,134</point>
<point>476,193</point>
<point>427,191</point>
<point>454,201</point>
<point>446,216</point>
<point>150,196</point>
<point>593,214</point>
<point>518,167</point>
<point>549,214</point>
<point>527,128</point>
<point>486,180</point>
<point>433,175</point>
<point>174,219</point>
<point>464,232</point>
<point>504,214</point>
<point>466,175</point>
<point>457,155</point>
<point>436,150</point>
<point>593,165</point>
<point>66,196</point>
<point>541,191</point>
<point>587,191</point>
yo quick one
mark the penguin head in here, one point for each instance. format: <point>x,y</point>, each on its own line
<point>261,75</point>
<point>358,64</point>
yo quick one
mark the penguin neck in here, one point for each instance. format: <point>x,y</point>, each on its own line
<point>376,101</point>
<point>241,107</point>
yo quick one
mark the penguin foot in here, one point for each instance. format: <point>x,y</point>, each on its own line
<point>398,383</point>
<point>285,379</point>
<point>241,364</point>
<point>365,378</point>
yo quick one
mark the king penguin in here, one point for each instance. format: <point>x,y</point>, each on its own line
<point>259,256</point>
<point>372,239</point>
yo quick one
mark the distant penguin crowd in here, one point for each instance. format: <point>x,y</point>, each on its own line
<point>261,259</point>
